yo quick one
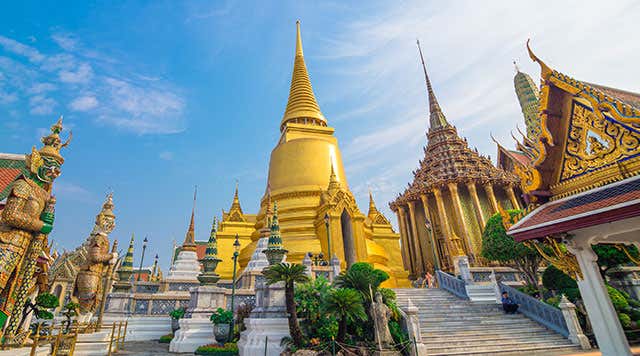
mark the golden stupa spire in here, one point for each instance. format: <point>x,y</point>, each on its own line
<point>189,243</point>
<point>372,205</point>
<point>302,104</point>
<point>436,117</point>
<point>334,184</point>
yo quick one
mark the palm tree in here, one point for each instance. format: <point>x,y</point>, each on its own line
<point>289,273</point>
<point>346,305</point>
<point>362,277</point>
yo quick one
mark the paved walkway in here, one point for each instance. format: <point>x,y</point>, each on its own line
<point>146,348</point>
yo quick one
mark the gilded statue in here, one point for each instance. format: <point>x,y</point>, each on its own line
<point>26,221</point>
<point>88,288</point>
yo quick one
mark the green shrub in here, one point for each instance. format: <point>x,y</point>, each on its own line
<point>166,339</point>
<point>388,295</point>
<point>633,302</point>
<point>625,320</point>
<point>177,313</point>
<point>228,349</point>
<point>555,279</point>
<point>221,316</point>
<point>634,314</point>
<point>573,294</point>
<point>47,301</point>
<point>529,289</point>
<point>555,301</point>
<point>399,336</point>
<point>44,314</point>
<point>618,300</point>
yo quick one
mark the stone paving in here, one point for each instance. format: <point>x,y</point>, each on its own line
<point>147,348</point>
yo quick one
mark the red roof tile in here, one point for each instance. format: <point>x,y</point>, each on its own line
<point>604,204</point>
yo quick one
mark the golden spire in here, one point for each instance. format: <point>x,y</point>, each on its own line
<point>436,117</point>
<point>235,206</point>
<point>302,102</point>
<point>189,243</point>
<point>372,205</point>
<point>334,184</point>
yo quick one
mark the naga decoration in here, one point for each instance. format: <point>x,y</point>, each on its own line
<point>88,284</point>
<point>634,259</point>
<point>559,257</point>
<point>25,223</point>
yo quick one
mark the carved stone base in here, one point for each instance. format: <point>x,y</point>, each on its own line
<point>261,334</point>
<point>193,333</point>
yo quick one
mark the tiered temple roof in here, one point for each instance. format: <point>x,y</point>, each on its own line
<point>448,157</point>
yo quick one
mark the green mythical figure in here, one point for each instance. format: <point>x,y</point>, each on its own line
<point>25,222</point>
<point>89,285</point>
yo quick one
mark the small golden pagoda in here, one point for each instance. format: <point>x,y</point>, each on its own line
<point>453,193</point>
<point>308,182</point>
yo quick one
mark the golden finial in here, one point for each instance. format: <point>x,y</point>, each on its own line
<point>298,40</point>
<point>334,184</point>
<point>516,66</point>
<point>190,239</point>
<point>545,71</point>
<point>302,102</point>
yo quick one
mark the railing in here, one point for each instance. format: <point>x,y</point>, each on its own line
<point>543,313</point>
<point>452,284</point>
<point>116,342</point>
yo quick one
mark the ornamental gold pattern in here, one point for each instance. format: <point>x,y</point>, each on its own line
<point>595,142</point>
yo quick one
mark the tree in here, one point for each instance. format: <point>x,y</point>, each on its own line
<point>346,305</point>
<point>290,274</point>
<point>498,246</point>
<point>609,256</point>
<point>362,277</point>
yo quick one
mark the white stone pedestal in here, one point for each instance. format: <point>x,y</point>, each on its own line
<point>268,322</point>
<point>193,332</point>
<point>197,330</point>
<point>261,333</point>
<point>185,268</point>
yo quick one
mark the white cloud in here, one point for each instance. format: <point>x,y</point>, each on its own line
<point>141,104</point>
<point>21,49</point>
<point>84,103</point>
<point>145,109</point>
<point>39,88</point>
<point>41,105</point>
<point>82,74</point>
<point>65,41</point>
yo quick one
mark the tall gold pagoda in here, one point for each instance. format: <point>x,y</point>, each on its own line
<point>307,181</point>
<point>453,193</point>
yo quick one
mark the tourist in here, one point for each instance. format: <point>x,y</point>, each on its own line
<point>509,306</point>
<point>429,277</point>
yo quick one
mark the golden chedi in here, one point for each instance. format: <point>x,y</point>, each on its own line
<point>307,181</point>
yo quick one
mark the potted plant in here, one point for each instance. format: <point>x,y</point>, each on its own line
<point>221,324</point>
<point>176,315</point>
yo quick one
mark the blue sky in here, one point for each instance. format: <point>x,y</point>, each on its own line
<point>164,95</point>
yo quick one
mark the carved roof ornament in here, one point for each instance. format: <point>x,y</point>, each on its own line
<point>235,212</point>
<point>374,215</point>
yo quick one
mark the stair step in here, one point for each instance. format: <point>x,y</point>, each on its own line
<point>505,343</point>
<point>471,337</point>
<point>529,351</point>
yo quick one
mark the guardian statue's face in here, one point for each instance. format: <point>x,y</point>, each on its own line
<point>49,170</point>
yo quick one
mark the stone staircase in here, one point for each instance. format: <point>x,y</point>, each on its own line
<point>452,326</point>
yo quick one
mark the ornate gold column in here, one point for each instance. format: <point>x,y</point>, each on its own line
<point>453,241</point>
<point>512,197</point>
<point>432,238</point>
<point>410,248</point>
<point>488,188</point>
<point>471,186</point>
<point>416,239</point>
<point>455,198</point>
<point>406,262</point>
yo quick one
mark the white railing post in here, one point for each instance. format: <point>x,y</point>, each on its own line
<point>496,287</point>
<point>413,329</point>
<point>576,335</point>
